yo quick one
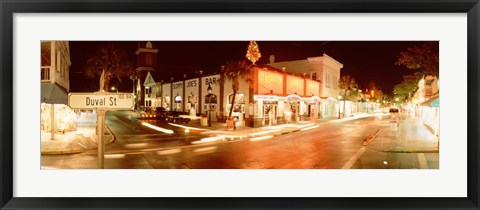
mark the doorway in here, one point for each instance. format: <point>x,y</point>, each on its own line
<point>269,114</point>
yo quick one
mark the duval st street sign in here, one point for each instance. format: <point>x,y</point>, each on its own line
<point>100,100</point>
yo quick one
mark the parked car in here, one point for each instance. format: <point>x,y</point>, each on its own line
<point>147,113</point>
<point>161,113</point>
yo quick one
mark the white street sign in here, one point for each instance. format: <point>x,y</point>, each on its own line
<point>100,100</point>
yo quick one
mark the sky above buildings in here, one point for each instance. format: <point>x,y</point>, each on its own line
<point>363,60</point>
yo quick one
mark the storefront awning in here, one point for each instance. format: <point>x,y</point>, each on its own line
<point>432,102</point>
<point>293,98</point>
<point>51,93</point>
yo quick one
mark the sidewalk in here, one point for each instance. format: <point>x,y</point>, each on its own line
<point>409,137</point>
<point>84,138</point>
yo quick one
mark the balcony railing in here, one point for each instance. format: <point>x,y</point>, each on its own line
<point>45,75</point>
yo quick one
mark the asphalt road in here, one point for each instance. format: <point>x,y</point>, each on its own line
<point>332,145</point>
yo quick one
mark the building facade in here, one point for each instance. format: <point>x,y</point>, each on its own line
<point>278,93</point>
<point>324,69</point>
<point>55,85</point>
<point>426,102</point>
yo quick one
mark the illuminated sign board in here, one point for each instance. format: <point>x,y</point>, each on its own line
<point>265,97</point>
<point>177,85</point>
<point>295,85</point>
<point>269,81</point>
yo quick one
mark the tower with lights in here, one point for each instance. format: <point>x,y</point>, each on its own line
<point>146,61</point>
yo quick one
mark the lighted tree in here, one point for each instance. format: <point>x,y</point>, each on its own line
<point>234,71</point>
<point>408,86</point>
<point>421,57</point>
<point>111,59</point>
<point>253,52</point>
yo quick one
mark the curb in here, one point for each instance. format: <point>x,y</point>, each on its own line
<point>412,151</point>
<point>66,152</point>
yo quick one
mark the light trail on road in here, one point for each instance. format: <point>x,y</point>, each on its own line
<point>261,138</point>
<point>157,128</point>
<point>187,127</point>
<point>308,128</point>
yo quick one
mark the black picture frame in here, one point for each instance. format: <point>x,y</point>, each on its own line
<point>10,7</point>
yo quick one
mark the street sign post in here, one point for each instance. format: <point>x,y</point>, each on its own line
<point>102,102</point>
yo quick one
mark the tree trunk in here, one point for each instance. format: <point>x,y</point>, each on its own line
<point>232,103</point>
<point>343,108</point>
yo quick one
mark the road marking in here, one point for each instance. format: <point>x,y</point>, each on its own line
<point>422,160</point>
<point>354,159</point>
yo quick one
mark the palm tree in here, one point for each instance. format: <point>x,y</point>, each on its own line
<point>235,71</point>
<point>110,59</point>
<point>347,84</point>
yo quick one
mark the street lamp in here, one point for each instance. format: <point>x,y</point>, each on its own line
<point>339,98</point>
<point>209,96</point>
<point>134,78</point>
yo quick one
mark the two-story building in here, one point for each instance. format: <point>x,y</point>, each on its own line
<point>55,85</point>
<point>323,69</point>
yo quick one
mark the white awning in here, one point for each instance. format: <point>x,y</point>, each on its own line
<point>51,93</point>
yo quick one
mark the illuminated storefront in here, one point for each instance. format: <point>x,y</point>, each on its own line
<point>211,103</point>
<point>55,85</point>
<point>177,93</point>
<point>266,110</point>
<point>64,120</point>
<point>238,109</point>
<point>192,91</point>
<point>271,98</point>
<point>283,98</point>
<point>166,100</point>
<point>329,107</point>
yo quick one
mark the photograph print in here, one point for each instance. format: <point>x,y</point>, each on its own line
<point>239,104</point>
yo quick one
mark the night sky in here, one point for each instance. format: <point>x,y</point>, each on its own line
<point>363,60</point>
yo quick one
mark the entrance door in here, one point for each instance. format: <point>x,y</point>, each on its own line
<point>269,114</point>
<point>295,111</point>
